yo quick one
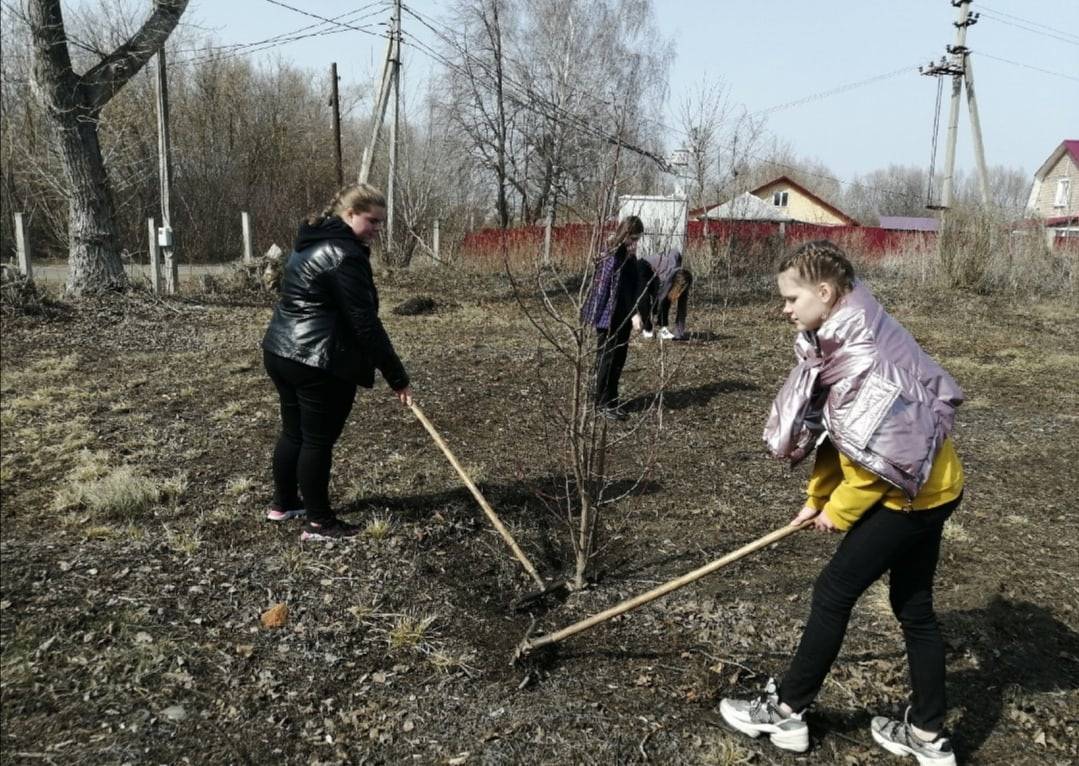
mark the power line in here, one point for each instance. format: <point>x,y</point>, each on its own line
<point>289,36</point>
<point>836,90</point>
<point>246,49</point>
<point>1025,21</point>
<point>1016,25</point>
<point>983,54</point>
<point>316,16</point>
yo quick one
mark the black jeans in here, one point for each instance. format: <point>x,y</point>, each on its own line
<point>611,348</point>
<point>314,408</point>
<point>659,311</point>
<point>907,546</point>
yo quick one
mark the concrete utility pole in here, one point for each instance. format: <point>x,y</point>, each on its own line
<point>392,175</point>
<point>959,68</point>
<point>164,234</point>
<point>335,102</point>
<point>380,103</point>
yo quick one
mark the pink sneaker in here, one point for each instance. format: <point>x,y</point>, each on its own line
<point>277,513</point>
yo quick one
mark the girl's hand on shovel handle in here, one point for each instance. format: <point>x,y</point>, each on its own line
<point>404,395</point>
<point>821,522</point>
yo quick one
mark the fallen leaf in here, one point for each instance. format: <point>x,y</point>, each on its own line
<point>275,617</point>
<point>457,760</point>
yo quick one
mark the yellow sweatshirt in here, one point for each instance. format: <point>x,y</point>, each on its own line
<point>844,490</point>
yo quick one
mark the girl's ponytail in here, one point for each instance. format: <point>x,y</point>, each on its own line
<point>358,197</point>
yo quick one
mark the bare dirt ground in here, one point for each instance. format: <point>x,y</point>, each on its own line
<point>131,631</point>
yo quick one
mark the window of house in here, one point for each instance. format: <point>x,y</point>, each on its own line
<point>1063,192</point>
<point>779,199</point>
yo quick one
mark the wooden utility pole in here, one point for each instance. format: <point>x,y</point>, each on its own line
<point>336,104</point>
<point>391,177</point>
<point>164,237</point>
<point>959,68</point>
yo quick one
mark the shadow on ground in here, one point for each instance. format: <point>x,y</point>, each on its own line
<point>684,398</point>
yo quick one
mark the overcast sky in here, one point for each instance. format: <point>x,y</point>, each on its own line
<point>770,53</point>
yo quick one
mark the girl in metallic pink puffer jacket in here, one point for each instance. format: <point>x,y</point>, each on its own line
<point>879,413</point>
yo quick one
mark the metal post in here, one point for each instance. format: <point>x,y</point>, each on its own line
<point>435,242</point>
<point>249,255</point>
<point>155,257</point>
<point>22,248</point>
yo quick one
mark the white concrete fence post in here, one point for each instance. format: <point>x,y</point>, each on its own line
<point>155,257</point>
<point>22,248</point>
<point>249,253</point>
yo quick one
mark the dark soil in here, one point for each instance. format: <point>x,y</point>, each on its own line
<point>133,636</point>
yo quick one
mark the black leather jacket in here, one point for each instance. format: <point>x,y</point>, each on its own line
<point>328,313</point>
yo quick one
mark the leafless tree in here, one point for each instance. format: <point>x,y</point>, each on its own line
<point>73,104</point>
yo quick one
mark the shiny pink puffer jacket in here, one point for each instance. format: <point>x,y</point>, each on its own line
<point>862,378</point>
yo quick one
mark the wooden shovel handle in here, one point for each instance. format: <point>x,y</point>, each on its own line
<point>630,604</point>
<point>487,509</point>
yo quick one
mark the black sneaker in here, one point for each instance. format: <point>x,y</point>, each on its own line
<point>898,738</point>
<point>328,531</point>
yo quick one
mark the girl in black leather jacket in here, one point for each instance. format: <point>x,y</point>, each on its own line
<point>325,339</point>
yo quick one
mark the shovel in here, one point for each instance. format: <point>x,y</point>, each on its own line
<point>531,644</point>
<point>487,509</point>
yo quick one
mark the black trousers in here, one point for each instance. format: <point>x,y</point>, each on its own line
<point>611,348</point>
<point>314,408</point>
<point>659,311</point>
<point>906,545</point>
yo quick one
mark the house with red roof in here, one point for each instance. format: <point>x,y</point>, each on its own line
<point>1054,196</point>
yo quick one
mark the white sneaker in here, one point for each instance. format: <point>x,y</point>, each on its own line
<point>763,716</point>
<point>646,333</point>
<point>898,738</point>
<point>666,334</point>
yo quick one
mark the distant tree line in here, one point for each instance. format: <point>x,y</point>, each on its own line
<point>528,103</point>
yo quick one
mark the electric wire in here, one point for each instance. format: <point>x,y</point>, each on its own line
<point>983,54</point>
<point>1032,30</point>
<point>1028,22</point>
